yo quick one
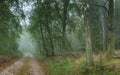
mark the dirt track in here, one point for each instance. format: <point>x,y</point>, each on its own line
<point>34,67</point>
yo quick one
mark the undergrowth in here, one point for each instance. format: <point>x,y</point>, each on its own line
<point>75,66</point>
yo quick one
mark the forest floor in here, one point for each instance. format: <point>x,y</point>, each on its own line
<point>6,61</point>
<point>73,64</point>
<point>76,65</point>
<point>27,65</point>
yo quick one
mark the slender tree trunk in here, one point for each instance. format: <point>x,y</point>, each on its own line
<point>103,28</point>
<point>102,18</point>
<point>89,53</point>
<point>64,23</point>
<point>50,37</point>
<point>43,40</point>
<point>51,41</point>
<point>111,44</point>
<point>47,26</point>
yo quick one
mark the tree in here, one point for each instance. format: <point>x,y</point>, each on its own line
<point>89,53</point>
<point>10,28</point>
<point>110,43</point>
<point>104,25</point>
<point>65,12</point>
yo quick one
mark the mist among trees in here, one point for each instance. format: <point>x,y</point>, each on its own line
<point>65,32</point>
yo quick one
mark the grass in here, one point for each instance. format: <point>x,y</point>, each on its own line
<point>62,66</point>
<point>75,66</point>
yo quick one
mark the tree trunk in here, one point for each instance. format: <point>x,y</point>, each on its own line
<point>43,41</point>
<point>48,27</point>
<point>89,53</point>
<point>50,37</point>
<point>103,28</point>
<point>111,45</point>
<point>64,23</point>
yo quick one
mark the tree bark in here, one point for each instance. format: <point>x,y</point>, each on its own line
<point>89,53</point>
<point>50,37</point>
<point>103,28</point>
<point>43,41</point>
<point>48,27</point>
<point>65,4</point>
<point>110,44</point>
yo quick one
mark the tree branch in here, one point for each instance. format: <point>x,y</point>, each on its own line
<point>99,5</point>
<point>105,2</point>
<point>58,29</point>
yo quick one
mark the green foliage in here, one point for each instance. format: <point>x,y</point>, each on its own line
<point>59,68</point>
<point>73,66</point>
<point>10,28</point>
<point>52,16</point>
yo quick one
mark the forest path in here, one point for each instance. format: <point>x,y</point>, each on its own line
<point>35,68</point>
<point>27,65</point>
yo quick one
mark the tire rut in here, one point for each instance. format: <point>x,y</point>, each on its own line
<point>25,66</point>
<point>13,68</point>
<point>35,68</point>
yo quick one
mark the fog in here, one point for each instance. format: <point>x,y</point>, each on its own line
<point>26,42</point>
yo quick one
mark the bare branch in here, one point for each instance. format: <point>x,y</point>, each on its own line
<point>105,3</point>
<point>98,6</point>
